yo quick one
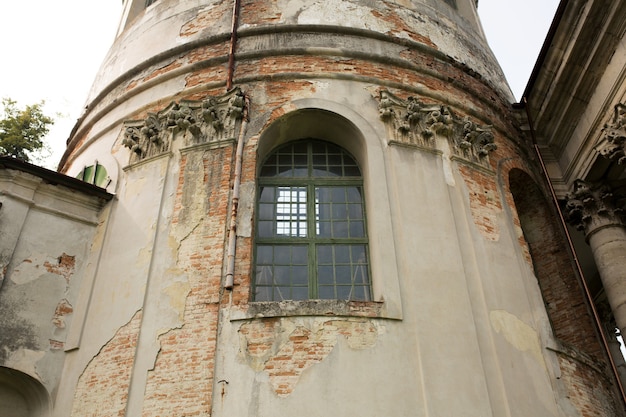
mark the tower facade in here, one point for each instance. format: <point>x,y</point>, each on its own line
<point>320,208</point>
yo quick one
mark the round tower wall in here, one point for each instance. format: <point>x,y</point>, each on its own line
<point>410,90</point>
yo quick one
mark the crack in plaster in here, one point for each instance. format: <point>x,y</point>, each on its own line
<point>104,345</point>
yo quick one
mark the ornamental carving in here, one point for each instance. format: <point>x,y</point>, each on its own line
<point>591,206</point>
<point>413,122</point>
<point>214,119</point>
<point>613,141</point>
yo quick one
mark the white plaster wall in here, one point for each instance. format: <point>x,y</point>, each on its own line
<point>48,230</point>
<point>473,335</point>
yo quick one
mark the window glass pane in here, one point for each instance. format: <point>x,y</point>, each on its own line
<point>354,194</point>
<point>335,159</point>
<point>300,160</point>
<point>297,219</point>
<point>285,160</point>
<point>291,212</point>
<point>266,211</point>
<point>264,275</point>
<point>281,275</point>
<point>342,274</point>
<point>357,229</point>
<point>267,194</point>
<point>338,194</point>
<point>263,294</point>
<point>324,254</point>
<point>300,147</point>
<point>268,170</point>
<point>342,253</point>
<point>340,211</point>
<point>285,171</point>
<point>319,160</point>
<point>264,254</point>
<point>282,255</point>
<point>351,171</point>
<point>361,293</point>
<point>360,275</point>
<point>299,255</point>
<point>355,211</point>
<point>340,229</point>
<point>326,292</point>
<point>359,254</point>
<point>300,275</point>
<point>325,275</point>
<point>88,174</point>
<point>265,228</point>
<point>344,293</point>
<point>282,293</point>
<point>300,293</point>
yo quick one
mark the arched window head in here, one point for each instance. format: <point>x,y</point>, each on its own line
<point>311,237</point>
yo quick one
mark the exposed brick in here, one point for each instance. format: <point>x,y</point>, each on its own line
<point>102,389</point>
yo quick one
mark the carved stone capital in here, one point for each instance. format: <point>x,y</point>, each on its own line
<point>612,144</point>
<point>413,122</point>
<point>592,206</point>
<point>196,122</point>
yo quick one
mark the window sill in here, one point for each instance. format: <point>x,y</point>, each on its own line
<point>265,309</point>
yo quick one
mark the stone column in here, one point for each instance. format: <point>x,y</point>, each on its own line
<point>593,208</point>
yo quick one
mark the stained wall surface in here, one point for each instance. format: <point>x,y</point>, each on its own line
<point>412,91</point>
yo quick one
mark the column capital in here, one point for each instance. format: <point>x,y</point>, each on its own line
<point>591,206</point>
<point>612,144</point>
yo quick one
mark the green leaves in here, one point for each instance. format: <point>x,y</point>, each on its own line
<point>22,131</point>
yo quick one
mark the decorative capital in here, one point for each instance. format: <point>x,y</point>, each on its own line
<point>613,142</point>
<point>214,119</point>
<point>414,122</point>
<point>592,206</point>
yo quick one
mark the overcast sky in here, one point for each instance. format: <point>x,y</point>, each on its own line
<point>51,50</point>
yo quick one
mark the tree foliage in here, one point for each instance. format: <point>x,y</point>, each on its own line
<point>22,131</point>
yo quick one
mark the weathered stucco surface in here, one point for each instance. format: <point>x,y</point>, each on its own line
<point>412,92</point>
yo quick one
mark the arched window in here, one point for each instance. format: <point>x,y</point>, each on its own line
<point>311,237</point>
<point>95,174</point>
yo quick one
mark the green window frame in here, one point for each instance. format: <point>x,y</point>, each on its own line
<point>95,174</point>
<point>311,236</point>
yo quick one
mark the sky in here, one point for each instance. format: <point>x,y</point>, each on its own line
<point>52,50</point>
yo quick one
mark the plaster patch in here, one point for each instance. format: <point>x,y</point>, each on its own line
<point>177,293</point>
<point>517,333</point>
<point>134,188</point>
<point>285,348</point>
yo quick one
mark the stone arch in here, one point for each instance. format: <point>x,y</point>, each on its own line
<point>345,127</point>
<point>22,395</point>
<point>314,123</point>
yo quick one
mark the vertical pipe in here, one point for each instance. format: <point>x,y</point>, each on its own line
<point>234,206</point>
<point>233,45</point>
<point>570,244</point>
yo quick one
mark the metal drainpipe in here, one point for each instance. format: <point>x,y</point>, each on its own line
<point>232,231</point>
<point>233,45</point>
<point>588,296</point>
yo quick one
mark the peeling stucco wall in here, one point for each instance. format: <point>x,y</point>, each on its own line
<point>47,248</point>
<point>102,388</point>
<point>285,348</point>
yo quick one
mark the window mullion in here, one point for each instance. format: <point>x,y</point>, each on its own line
<point>312,237</point>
